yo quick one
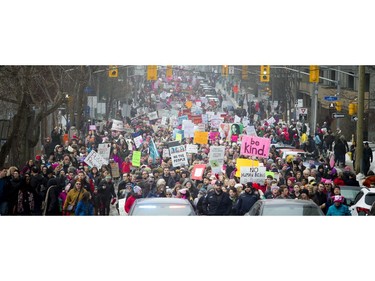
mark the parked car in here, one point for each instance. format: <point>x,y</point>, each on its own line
<point>363,202</point>
<point>161,207</point>
<point>285,207</point>
<point>350,193</point>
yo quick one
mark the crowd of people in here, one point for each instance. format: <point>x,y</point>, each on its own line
<point>60,182</point>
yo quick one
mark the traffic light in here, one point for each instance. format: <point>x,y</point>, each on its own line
<point>338,106</point>
<point>169,71</point>
<point>352,108</point>
<point>244,72</point>
<point>113,71</point>
<point>264,73</point>
<point>224,70</point>
<point>314,74</point>
<point>152,72</point>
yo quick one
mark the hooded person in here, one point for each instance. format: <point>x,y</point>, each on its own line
<point>247,199</point>
<point>51,202</point>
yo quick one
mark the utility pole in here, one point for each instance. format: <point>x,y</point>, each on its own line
<point>361,98</point>
<point>338,93</point>
<point>314,107</point>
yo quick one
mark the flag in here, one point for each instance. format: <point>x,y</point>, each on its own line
<point>153,150</point>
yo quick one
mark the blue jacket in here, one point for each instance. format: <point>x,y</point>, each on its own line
<point>342,210</point>
<point>83,209</point>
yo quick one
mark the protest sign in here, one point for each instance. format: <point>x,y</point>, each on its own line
<point>192,148</point>
<point>117,125</point>
<point>164,120</point>
<point>178,137</point>
<point>255,146</point>
<point>92,128</point>
<point>188,104</point>
<point>197,172</point>
<point>166,153</point>
<point>214,136</point>
<point>250,131</point>
<point>153,115</point>
<point>240,162</point>
<point>252,174</point>
<point>200,137</point>
<point>216,158</point>
<point>93,159</point>
<point>138,141</point>
<point>115,171</point>
<point>178,155</point>
<point>136,159</point>
<point>104,149</point>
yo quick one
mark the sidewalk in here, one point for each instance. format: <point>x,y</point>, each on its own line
<point>218,86</point>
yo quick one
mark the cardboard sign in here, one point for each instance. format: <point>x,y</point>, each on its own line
<point>252,174</point>
<point>104,149</point>
<point>136,159</point>
<point>93,159</point>
<point>178,137</point>
<point>198,171</point>
<point>189,104</point>
<point>201,137</point>
<point>115,171</point>
<point>192,148</point>
<point>240,162</point>
<point>255,146</point>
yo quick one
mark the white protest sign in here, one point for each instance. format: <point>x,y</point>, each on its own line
<point>153,115</point>
<point>178,155</point>
<point>252,174</point>
<point>237,119</point>
<point>104,149</point>
<point>271,120</point>
<point>164,120</point>
<point>216,158</point>
<point>166,153</point>
<point>117,125</point>
<point>192,148</point>
<point>250,131</point>
<point>95,160</point>
<point>216,121</point>
<point>138,141</point>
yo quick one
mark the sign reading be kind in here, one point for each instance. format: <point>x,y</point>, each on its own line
<point>255,146</point>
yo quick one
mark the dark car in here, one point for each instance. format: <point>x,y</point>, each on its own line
<point>350,192</point>
<point>285,207</point>
<point>161,207</point>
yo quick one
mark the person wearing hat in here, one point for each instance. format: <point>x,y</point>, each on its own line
<point>304,194</point>
<point>217,202</point>
<point>246,199</point>
<point>338,208</point>
<point>274,192</point>
<point>137,193</point>
<point>106,192</point>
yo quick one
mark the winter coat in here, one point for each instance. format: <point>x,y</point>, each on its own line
<point>217,204</point>
<point>342,210</point>
<point>84,209</point>
<point>245,202</point>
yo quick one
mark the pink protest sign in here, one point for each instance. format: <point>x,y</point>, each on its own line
<point>255,146</point>
<point>214,136</point>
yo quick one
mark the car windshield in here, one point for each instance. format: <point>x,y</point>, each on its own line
<point>162,210</point>
<point>291,210</point>
<point>349,193</point>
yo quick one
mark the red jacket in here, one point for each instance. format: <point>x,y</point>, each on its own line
<point>129,203</point>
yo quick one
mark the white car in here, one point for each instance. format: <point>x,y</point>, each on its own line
<point>363,202</point>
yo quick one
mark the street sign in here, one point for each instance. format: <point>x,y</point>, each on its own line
<point>330,98</point>
<point>338,115</point>
<point>300,103</point>
<point>354,118</point>
<point>331,105</point>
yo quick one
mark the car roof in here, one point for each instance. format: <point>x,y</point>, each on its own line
<point>161,200</point>
<point>286,202</point>
<point>351,187</point>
